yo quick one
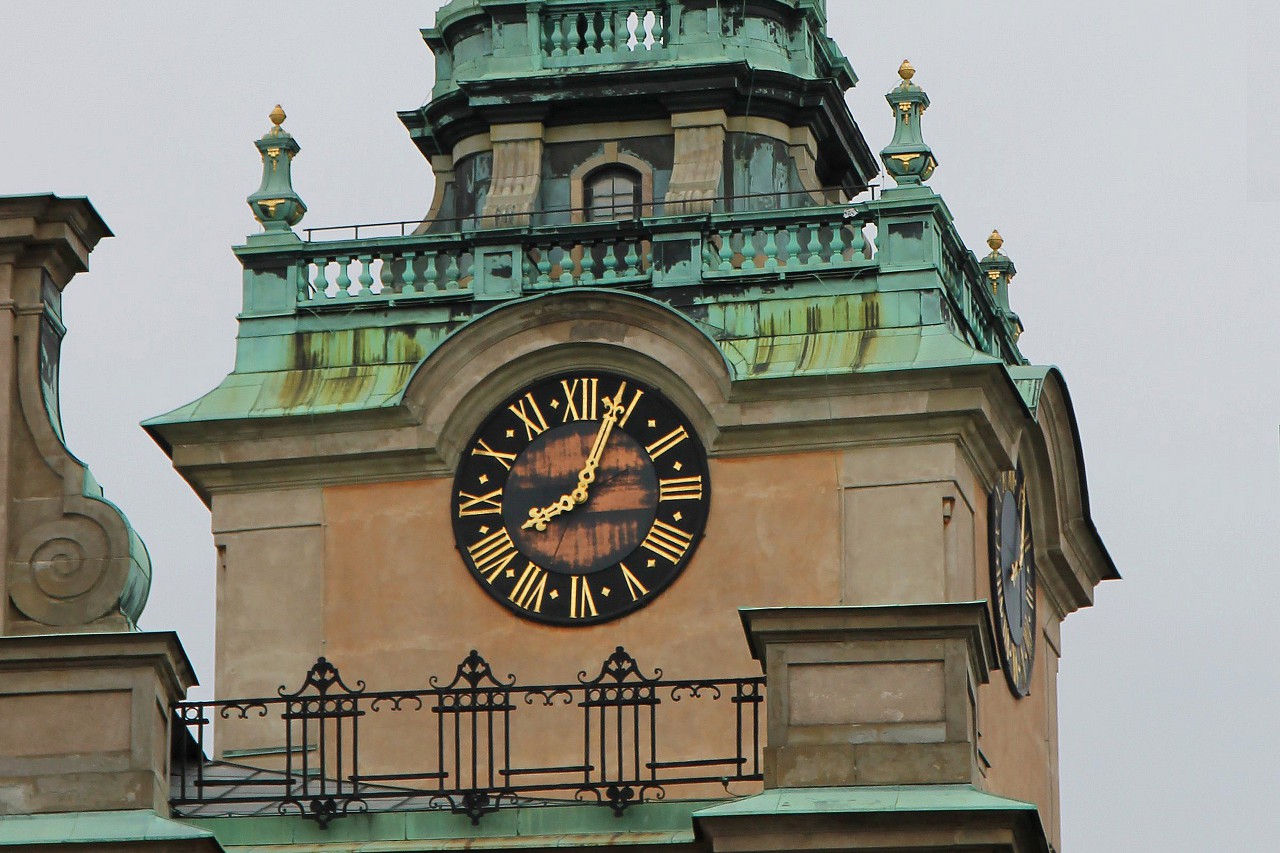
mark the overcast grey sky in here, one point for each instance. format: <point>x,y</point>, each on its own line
<point>1125,149</point>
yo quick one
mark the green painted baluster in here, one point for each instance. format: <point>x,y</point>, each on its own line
<point>432,272</point>
<point>607,31</point>
<point>726,250</point>
<point>366,275</point>
<point>450,280</point>
<point>544,266</point>
<point>610,260</point>
<point>658,32</point>
<point>566,266</point>
<point>631,264</point>
<point>589,34</point>
<point>770,249</point>
<point>557,35</point>
<point>387,275</point>
<point>588,276</point>
<point>545,28</point>
<point>790,245</point>
<point>344,280</point>
<point>859,241</point>
<point>837,242</point>
<point>410,275</point>
<point>815,245</point>
<point>320,284</point>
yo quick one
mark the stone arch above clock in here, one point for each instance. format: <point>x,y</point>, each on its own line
<point>476,368</point>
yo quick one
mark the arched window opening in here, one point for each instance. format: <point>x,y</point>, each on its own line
<point>613,193</point>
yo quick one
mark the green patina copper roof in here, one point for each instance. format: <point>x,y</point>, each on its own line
<point>524,827</point>
<point>94,828</point>
<point>868,800</point>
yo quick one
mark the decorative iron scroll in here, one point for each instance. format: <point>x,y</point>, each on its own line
<point>479,742</point>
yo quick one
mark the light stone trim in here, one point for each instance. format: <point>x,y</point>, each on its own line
<point>699,162</point>
<point>517,173</point>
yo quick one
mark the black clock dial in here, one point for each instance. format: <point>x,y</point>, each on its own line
<point>581,498</point>
<point>1013,580</point>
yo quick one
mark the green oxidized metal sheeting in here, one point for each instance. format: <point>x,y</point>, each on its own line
<point>94,829</point>
<point>866,800</point>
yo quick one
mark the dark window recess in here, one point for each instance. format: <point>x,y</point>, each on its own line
<point>613,193</point>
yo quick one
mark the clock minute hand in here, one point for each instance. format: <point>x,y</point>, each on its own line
<point>540,516</point>
<point>587,475</point>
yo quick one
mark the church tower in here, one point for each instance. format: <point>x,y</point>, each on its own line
<point>661,388</point>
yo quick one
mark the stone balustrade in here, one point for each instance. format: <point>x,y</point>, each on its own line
<point>607,32</point>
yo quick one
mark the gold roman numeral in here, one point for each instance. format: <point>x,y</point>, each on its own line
<point>634,586</point>
<point>582,401</point>
<point>680,489</point>
<point>667,541</point>
<point>490,504</point>
<point>492,554</point>
<point>485,450</point>
<point>535,424</point>
<point>667,442</point>
<point>529,588</point>
<point>581,604</point>
<point>621,395</point>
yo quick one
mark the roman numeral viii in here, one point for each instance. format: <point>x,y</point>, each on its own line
<point>492,554</point>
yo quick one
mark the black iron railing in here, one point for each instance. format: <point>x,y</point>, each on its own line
<point>476,743</point>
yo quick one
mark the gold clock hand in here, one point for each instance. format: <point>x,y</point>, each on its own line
<point>539,517</point>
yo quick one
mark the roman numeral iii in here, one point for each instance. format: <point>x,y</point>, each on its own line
<point>667,541</point>
<point>680,489</point>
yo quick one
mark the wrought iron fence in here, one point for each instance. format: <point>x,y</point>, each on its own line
<point>485,740</point>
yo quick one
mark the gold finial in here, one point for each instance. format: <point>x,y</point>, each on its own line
<point>277,116</point>
<point>906,71</point>
<point>995,241</point>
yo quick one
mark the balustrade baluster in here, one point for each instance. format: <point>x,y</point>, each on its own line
<point>859,242</point>
<point>344,280</point>
<point>610,260</point>
<point>789,246</point>
<point>837,243</point>
<point>431,272</point>
<point>631,263</point>
<point>566,266</point>
<point>726,250</point>
<point>607,31</point>
<point>589,34</point>
<point>815,245</point>
<point>544,265</point>
<point>366,275</point>
<point>568,34</point>
<point>770,249</point>
<point>557,21</point>
<point>387,275</point>
<point>657,31</point>
<point>588,276</point>
<point>320,284</point>
<point>410,275</point>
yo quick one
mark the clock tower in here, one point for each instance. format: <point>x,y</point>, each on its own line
<point>663,364</point>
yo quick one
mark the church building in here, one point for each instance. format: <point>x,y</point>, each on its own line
<point>675,483</point>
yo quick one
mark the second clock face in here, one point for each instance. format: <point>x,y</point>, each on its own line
<point>581,498</point>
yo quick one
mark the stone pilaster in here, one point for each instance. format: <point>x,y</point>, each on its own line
<point>699,161</point>
<point>871,696</point>
<point>517,173</point>
<point>86,721</point>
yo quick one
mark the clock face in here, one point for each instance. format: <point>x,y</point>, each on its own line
<point>580,498</point>
<point>1013,580</point>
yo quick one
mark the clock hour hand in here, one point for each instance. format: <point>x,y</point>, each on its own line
<point>539,516</point>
